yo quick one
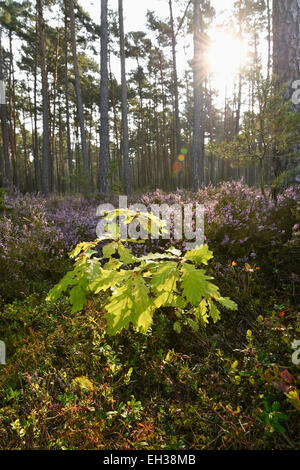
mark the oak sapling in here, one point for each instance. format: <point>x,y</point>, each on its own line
<point>140,286</point>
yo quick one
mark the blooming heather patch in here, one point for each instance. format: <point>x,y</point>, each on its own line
<point>240,224</point>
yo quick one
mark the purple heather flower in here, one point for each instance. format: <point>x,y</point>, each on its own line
<point>225,240</point>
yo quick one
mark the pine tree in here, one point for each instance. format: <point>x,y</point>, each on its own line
<point>79,99</point>
<point>286,47</point>
<point>127,183</point>
<point>104,104</point>
<point>45,99</point>
<point>3,114</point>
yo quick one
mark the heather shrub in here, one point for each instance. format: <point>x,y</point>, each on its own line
<point>29,256</point>
<point>32,250</point>
<point>240,225</point>
<point>241,222</point>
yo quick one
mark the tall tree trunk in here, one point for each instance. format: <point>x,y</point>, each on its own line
<point>116,132</point>
<point>197,77</point>
<point>36,137</point>
<point>79,99</point>
<point>240,81</point>
<point>175,91</point>
<point>8,180</point>
<point>286,50</point>
<point>104,104</point>
<point>127,182</point>
<point>26,171</point>
<point>165,166</point>
<point>269,19</point>
<point>53,135</point>
<point>61,173</point>
<point>144,174</point>
<point>69,147</point>
<point>45,101</point>
<point>12,114</point>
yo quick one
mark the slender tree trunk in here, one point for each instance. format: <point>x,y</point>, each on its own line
<point>45,101</point>
<point>12,114</point>
<point>144,175</point>
<point>127,182</point>
<point>240,81</point>
<point>79,99</point>
<point>69,147</point>
<point>269,39</point>
<point>104,104</point>
<point>165,168</point>
<point>61,153</point>
<point>286,50</point>
<point>8,180</point>
<point>36,137</point>
<point>26,173</point>
<point>53,135</point>
<point>197,77</point>
<point>116,132</point>
<point>176,94</point>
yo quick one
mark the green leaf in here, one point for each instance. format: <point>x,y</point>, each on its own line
<point>195,284</point>
<point>169,299</point>
<point>143,307</point>
<point>278,427</point>
<point>125,255</point>
<point>109,250</point>
<point>82,247</point>
<point>77,298</point>
<point>193,324</point>
<point>275,406</point>
<point>165,277</point>
<point>201,313</point>
<point>130,303</point>
<point>283,417</point>
<point>214,312</point>
<point>227,303</point>
<point>199,255</point>
<point>62,286</point>
<point>108,279</point>
<point>177,327</point>
<point>119,310</point>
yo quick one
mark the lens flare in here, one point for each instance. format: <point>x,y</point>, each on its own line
<point>177,168</point>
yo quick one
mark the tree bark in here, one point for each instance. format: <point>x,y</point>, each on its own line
<point>53,127</point>
<point>127,182</point>
<point>79,99</point>
<point>197,78</point>
<point>286,56</point>
<point>3,112</point>
<point>175,91</point>
<point>69,147</point>
<point>36,137</point>
<point>104,105</point>
<point>45,101</point>
<point>12,118</point>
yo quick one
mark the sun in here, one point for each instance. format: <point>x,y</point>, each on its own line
<point>226,54</point>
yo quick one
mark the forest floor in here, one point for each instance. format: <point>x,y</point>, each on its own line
<point>66,384</point>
